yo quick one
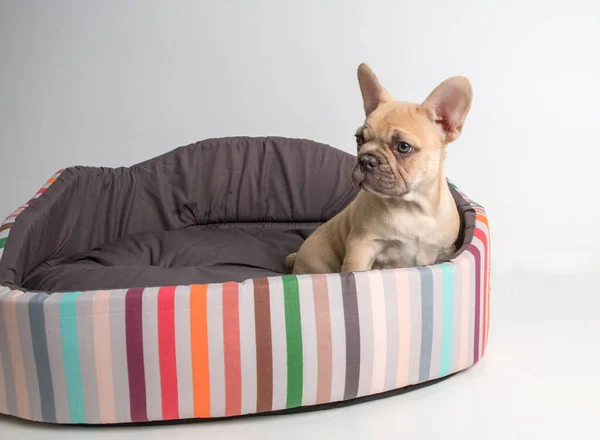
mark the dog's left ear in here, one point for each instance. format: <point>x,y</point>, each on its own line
<point>372,92</point>
<point>449,104</point>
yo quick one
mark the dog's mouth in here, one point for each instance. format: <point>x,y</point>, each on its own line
<point>370,182</point>
<point>358,177</point>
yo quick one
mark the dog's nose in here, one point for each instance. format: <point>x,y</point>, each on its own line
<point>368,162</point>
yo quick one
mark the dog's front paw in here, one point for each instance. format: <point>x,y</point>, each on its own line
<point>290,260</point>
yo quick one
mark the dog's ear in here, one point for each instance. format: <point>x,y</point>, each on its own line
<point>449,104</point>
<point>372,92</point>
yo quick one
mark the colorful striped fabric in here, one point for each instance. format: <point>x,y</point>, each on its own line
<point>7,224</point>
<point>262,345</point>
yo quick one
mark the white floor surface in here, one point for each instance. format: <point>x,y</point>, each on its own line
<point>539,379</point>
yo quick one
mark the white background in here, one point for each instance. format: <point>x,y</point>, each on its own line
<point>116,82</point>
<point>110,83</point>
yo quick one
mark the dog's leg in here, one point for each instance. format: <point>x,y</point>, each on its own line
<point>359,257</point>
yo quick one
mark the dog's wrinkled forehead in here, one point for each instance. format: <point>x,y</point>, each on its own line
<point>394,122</point>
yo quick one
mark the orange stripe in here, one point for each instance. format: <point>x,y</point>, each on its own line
<point>199,337</point>
<point>51,181</point>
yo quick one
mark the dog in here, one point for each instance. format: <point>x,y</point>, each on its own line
<point>404,214</point>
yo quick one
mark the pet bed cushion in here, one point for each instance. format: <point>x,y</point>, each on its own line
<point>159,292</point>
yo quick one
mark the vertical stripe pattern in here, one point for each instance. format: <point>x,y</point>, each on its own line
<point>31,378</point>
<point>279,339</point>
<point>353,340</point>
<point>199,347</point>
<point>51,312</point>
<point>70,349</point>
<point>135,355</point>
<point>447,318</point>
<point>87,355</point>
<point>104,355</point>
<point>264,351</point>
<point>293,333</point>
<point>218,350</point>
<point>324,338</point>
<point>42,361</point>
<point>183,356</point>
<point>248,364</point>
<point>231,335</point>
<point>152,340</point>
<point>167,353</point>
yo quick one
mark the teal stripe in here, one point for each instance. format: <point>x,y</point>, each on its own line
<point>293,333</point>
<point>446,356</point>
<point>70,346</point>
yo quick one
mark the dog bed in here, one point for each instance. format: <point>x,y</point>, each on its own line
<point>160,292</point>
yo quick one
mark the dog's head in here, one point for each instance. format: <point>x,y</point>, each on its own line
<point>401,145</point>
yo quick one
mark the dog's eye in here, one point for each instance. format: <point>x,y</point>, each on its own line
<point>360,140</point>
<point>404,148</point>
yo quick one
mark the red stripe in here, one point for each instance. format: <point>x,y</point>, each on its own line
<point>41,191</point>
<point>477,256</point>
<point>481,236</point>
<point>231,335</point>
<point>6,226</point>
<point>135,355</point>
<point>166,352</point>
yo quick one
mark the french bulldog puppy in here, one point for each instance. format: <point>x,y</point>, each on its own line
<point>404,215</point>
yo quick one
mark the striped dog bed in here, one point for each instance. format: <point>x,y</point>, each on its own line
<point>159,292</point>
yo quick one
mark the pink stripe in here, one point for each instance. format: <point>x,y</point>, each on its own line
<point>16,354</point>
<point>166,351</point>
<point>379,331</point>
<point>103,356</point>
<point>403,300</point>
<point>463,264</point>
<point>231,339</point>
<point>478,250</point>
<point>3,408</point>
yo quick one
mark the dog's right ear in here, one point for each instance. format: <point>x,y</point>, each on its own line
<point>373,93</point>
<point>449,104</point>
